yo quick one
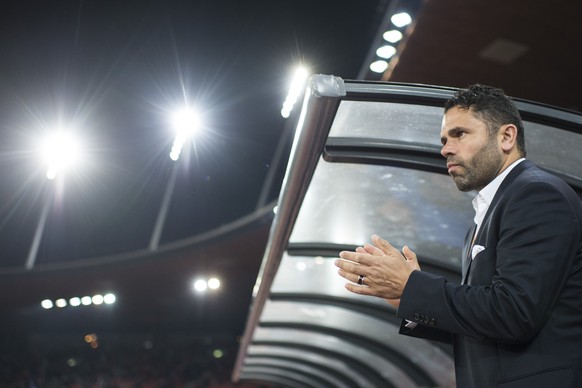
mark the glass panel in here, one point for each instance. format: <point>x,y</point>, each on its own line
<point>388,120</point>
<point>347,203</point>
<point>427,355</point>
<point>552,148</point>
<point>307,364</point>
<point>332,344</point>
<point>315,276</point>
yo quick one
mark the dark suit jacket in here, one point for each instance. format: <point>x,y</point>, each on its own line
<point>517,322</point>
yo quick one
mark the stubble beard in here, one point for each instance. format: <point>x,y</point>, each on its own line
<point>481,169</point>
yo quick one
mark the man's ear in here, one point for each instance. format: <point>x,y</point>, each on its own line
<point>508,135</point>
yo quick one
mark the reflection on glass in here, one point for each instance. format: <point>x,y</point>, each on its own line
<point>347,203</point>
<point>386,120</point>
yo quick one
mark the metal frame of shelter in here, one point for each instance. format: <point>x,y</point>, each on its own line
<point>366,159</point>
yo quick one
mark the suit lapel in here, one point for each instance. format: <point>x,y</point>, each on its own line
<point>517,170</point>
<point>466,263</point>
<point>467,259</point>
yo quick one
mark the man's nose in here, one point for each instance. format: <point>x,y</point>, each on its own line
<point>447,150</point>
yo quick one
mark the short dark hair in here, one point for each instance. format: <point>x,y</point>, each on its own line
<point>492,106</point>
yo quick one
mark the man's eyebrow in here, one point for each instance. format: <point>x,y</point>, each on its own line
<point>451,133</point>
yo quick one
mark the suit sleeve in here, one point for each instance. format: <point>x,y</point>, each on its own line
<point>536,248</point>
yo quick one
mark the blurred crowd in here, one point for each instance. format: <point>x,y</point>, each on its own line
<point>119,362</point>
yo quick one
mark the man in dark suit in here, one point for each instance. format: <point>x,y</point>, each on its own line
<point>516,318</point>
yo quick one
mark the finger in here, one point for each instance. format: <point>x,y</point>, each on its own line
<point>359,289</point>
<point>357,257</point>
<point>373,250</point>
<point>353,278</point>
<point>410,257</point>
<point>360,250</point>
<point>408,254</point>
<point>382,244</point>
<point>349,270</point>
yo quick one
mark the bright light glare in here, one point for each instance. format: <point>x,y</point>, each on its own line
<point>295,90</point>
<point>76,301</point>
<point>379,66</point>
<point>386,51</point>
<point>47,304</point>
<point>392,36</point>
<point>60,151</point>
<point>186,123</point>
<point>109,298</point>
<point>200,285</point>
<point>301,266</point>
<point>401,19</point>
<point>213,283</point>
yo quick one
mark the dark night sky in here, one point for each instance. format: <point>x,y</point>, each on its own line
<point>114,70</point>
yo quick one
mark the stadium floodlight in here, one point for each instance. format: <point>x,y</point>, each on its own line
<point>200,285</point>
<point>379,66</point>
<point>213,283</point>
<point>97,299</point>
<point>60,150</point>
<point>75,301</point>
<point>61,303</point>
<point>386,51</point>
<point>109,298</point>
<point>392,36</point>
<point>401,19</point>
<point>185,122</point>
<point>47,304</point>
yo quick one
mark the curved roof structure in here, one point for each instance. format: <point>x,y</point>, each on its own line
<point>366,159</point>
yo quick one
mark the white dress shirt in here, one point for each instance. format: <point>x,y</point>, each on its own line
<point>484,197</point>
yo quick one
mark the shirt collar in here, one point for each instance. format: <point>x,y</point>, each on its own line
<point>484,197</point>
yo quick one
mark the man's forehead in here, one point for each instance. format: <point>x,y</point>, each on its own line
<point>455,115</point>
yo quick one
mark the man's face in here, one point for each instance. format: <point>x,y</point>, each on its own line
<point>473,157</point>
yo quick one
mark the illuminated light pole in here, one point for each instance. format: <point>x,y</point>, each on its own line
<point>296,90</point>
<point>185,123</point>
<point>60,151</point>
<point>33,252</point>
<point>294,95</point>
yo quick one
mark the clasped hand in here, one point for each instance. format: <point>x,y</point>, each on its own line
<point>384,269</point>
